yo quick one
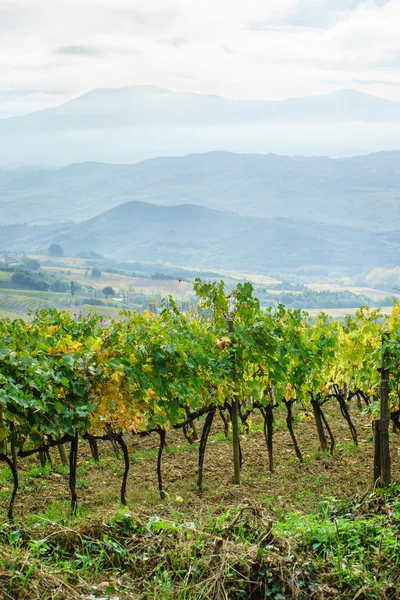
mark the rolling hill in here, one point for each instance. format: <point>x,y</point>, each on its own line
<point>361,192</point>
<point>195,236</point>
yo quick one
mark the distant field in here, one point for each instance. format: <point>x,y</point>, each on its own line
<point>5,314</point>
<point>332,287</point>
<point>253,277</point>
<point>162,286</point>
<point>109,312</point>
<point>54,297</point>
<point>20,303</point>
<point>121,282</point>
<point>17,304</point>
<point>137,292</point>
<point>79,275</point>
<point>63,270</point>
<point>79,263</point>
<point>342,312</point>
<point>283,292</point>
<point>49,296</point>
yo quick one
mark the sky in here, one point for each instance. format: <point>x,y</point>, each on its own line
<point>54,50</point>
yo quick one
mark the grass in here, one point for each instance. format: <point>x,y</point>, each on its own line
<point>344,550</point>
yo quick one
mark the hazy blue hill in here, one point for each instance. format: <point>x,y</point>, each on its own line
<point>195,236</point>
<point>341,105</point>
<point>126,125</point>
<point>362,192</point>
<point>137,106</point>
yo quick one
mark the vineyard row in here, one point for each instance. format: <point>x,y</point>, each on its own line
<point>63,379</point>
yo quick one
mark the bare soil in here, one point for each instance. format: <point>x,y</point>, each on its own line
<point>292,487</point>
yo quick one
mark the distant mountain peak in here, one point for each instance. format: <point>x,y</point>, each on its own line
<point>149,89</point>
<point>114,102</point>
<point>357,95</point>
<point>348,92</point>
<point>132,123</point>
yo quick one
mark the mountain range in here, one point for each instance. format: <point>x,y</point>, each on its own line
<point>138,106</point>
<point>362,192</point>
<point>132,123</point>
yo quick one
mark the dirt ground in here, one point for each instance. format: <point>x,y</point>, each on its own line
<point>292,487</point>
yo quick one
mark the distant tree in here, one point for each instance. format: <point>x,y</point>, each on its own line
<point>30,279</point>
<point>93,301</point>
<point>59,286</point>
<point>90,255</point>
<point>56,250</point>
<point>73,288</point>
<point>95,273</point>
<point>108,291</point>
<point>32,264</point>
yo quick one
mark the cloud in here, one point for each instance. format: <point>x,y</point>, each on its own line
<point>15,93</point>
<point>177,43</point>
<point>318,14</point>
<point>19,14</point>
<point>251,49</point>
<point>20,100</point>
<point>391,60</point>
<point>377,82</point>
<point>79,51</point>
<point>153,16</point>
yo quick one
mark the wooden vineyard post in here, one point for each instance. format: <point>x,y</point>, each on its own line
<point>63,454</point>
<point>94,449</point>
<point>73,455</point>
<point>161,433</point>
<point>236,442</point>
<point>13,445</point>
<point>3,445</point>
<point>385,477</point>
<point>382,466</point>
<point>235,417</point>
<point>377,451</point>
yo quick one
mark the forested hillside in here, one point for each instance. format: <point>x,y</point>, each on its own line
<point>199,237</point>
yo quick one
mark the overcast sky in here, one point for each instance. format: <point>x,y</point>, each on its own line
<point>54,50</point>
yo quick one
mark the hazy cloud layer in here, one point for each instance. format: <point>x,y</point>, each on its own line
<point>79,51</point>
<point>251,49</point>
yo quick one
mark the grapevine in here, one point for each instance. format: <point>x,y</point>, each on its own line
<point>66,381</point>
